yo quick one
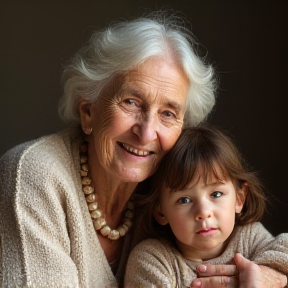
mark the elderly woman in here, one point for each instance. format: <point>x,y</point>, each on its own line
<point>67,198</point>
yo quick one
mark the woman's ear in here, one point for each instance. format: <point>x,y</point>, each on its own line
<point>159,216</point>
<point>241,197</point>
<point>84,107</point>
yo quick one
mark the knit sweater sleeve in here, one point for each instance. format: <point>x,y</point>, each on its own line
<point>32,215</point>
<point>269,250</point>
<point>153,263</point>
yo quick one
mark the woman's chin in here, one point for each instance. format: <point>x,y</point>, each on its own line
<point>133,175</point>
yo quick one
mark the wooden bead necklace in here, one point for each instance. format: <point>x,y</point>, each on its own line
<point>99,221</point>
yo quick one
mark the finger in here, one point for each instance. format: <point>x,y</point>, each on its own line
<point>241,261</point>
<point>216,270</point>
<point>215,282</point>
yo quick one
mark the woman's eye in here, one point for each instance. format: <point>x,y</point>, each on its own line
<point>129,102</point>
<point>184,200</point>
<point>216,194</point>
<point>130,105</point>
<point>168,115</point>
<point>169,118</point>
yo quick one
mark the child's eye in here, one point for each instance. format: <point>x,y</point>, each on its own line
<point>216,194</point>
<point>184,200</point>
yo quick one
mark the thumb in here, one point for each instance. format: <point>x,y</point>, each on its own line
<point>242,264</point>
<point>249,272</point>
<point>240,261</point>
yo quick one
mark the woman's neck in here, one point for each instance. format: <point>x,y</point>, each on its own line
<point>112,196</point>
<point>112,250</point>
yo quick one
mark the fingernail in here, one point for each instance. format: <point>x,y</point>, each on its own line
<point>197,283</point>
<point>201,268</point>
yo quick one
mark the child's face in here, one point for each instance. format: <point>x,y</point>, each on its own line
<point>201,217</point>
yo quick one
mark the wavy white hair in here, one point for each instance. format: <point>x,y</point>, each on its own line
<point>123,45</point>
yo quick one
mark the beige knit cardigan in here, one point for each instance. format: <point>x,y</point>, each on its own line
<point>156,263</point>
<point>47,237</point>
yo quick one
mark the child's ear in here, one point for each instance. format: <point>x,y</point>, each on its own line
<point>240,197</point>
<point>159,216</point>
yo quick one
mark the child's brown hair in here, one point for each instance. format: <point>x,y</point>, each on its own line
<point>209,152</point>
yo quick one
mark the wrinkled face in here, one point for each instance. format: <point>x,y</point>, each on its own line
<point>137,119</point>
<point>201,217</point>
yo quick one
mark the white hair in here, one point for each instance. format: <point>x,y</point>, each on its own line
<point>123,45</point>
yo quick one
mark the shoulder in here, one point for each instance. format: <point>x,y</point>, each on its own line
<point>35,161</point>
<point>248,238</point>
<point>159,253</point>
<point>156,251</point>
<point>251,229</point>
<point>157,261</point>
<point>252,234</point>
<point>154,246</point>
<point>42,150</point>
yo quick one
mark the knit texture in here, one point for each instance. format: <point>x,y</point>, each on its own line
<point>156,263</point>
<point>47,236</point>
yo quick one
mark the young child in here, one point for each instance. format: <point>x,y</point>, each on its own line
<point>207,205</point>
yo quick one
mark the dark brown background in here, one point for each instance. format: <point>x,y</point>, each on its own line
<point>246,40</point>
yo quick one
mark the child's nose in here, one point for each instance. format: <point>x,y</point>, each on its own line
<point>203,212</point>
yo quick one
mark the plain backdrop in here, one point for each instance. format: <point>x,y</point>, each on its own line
<point>245,40</point>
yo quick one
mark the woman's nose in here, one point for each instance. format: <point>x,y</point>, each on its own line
<point>147,128</point>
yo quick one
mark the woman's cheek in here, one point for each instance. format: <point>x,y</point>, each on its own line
<point>170,138</point>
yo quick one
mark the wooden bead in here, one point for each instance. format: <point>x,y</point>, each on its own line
<point>128,222</point>
<point>91,198</point>
<point>83,159</point>
<point>125,227</point>
<point>96,214</point>
<point>85,167</point>
<point>93,206</point>
<point>83,173</point>
<point>88,189</point>
<point>114,235</point>
<point>105,230</point>
<point>99,223</point>
<point>122,231</point>
<point>86,181</point>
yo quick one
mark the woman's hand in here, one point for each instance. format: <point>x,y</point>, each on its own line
<point>250,275</point>
<point>216,276</point>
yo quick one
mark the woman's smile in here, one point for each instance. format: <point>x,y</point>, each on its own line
<point>135,125</point>
<point>135,151</point>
